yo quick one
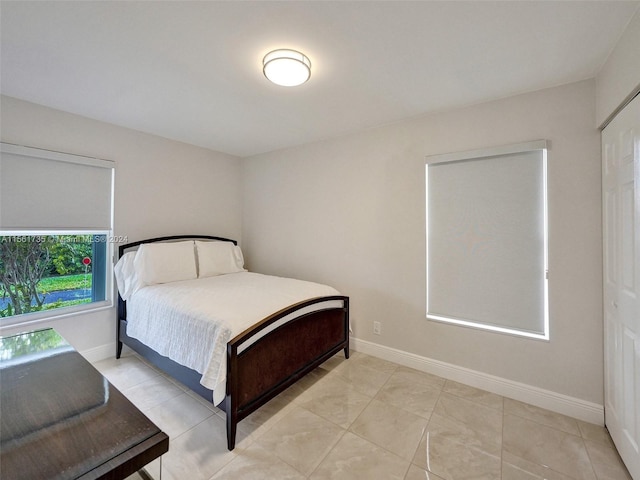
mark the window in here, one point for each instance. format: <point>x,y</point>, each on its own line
<point>487,239</point>
<point>46,272</point>
<point>56,217</point>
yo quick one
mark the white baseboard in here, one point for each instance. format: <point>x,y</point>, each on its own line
<point>99,353</point>
<point>556,402</point>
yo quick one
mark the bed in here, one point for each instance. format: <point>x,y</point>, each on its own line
<point>236,338</point>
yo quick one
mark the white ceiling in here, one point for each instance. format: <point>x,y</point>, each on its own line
<point>192,71</point>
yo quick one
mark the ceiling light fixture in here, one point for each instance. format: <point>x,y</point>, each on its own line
<point>288,68</point>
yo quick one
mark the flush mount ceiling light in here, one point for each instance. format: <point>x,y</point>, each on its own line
<point>288,68</point>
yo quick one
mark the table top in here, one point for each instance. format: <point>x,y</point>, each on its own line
<point>60,418</point>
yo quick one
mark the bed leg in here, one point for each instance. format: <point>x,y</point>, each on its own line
<point>118,349</point>
<point>346,352</point>
<point>232,422</point>
<point>231,432</point>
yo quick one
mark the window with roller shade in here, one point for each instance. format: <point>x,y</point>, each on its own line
<point>487,239</point>
<point>56,221</point>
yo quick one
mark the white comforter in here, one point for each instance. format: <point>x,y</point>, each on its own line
<point>191,321</point>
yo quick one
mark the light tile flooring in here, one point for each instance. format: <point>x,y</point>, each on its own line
<point>366,418</point>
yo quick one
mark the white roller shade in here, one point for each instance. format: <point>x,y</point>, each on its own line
<point>486,245</point>
<point>45,190</point>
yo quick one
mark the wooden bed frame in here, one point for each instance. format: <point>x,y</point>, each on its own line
<point>270,364</point>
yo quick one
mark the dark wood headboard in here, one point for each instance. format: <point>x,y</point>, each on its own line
<point>127,246</point>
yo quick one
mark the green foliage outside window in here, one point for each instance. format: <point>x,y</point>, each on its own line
<point>33,265</point>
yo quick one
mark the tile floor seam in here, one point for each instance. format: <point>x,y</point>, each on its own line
<point>255,440</point>
<point>551,424</point>
<point>544,425</point>
<point>222,467</point>
<point>404,477</point>
<point>440,390</point>
<point>572,475</point>
<point>501,409</point>
<point>379,446</point>
<point>188,429</point>
<point>361,412</point>
<point>476,449</point>
<point>502,443</point>
<point>409,462</point>
<point>193,427</point>
<point>326,455</point>
<point>425,430</point>
<point>595,474</point>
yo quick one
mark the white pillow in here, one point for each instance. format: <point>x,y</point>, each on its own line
<point>218,258</point>
<point>165,262</point>
<point>126,277</point>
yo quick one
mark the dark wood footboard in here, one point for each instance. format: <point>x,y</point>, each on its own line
<point>264,369</point>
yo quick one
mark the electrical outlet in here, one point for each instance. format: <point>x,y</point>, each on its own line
<point>377,328</point>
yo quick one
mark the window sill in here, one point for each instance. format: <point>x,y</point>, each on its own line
<point>544,336</point>
<point>28,319</point>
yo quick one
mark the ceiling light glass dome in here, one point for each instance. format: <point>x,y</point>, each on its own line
<point>288,68</point>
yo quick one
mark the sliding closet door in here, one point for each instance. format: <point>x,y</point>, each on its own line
<point>621,224</point>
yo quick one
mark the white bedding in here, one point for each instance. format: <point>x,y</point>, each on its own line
<point>191,321</point>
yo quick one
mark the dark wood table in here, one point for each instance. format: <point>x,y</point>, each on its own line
<point>61,419</point>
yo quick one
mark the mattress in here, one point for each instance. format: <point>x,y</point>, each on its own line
<point>191,321</point>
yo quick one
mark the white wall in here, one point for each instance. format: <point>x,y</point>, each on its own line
<point>620,75</point>
<point>351,212</point>
<point>162,187</point>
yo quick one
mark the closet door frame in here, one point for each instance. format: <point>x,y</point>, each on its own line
<point>621,281</point>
